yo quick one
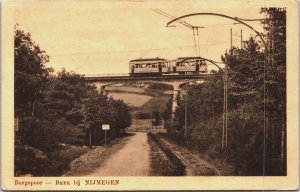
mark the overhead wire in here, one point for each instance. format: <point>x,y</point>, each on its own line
<point>186,25</point>
<point>171,17</point>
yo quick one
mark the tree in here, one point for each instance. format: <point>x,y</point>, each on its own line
<point>275,25</point>
<point>123,116</point>
<point>31,75</point>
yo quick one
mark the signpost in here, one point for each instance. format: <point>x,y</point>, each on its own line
<point>105,127</point>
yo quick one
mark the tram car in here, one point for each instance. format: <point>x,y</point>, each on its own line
<point>148,67</point>
<point>189,65</point>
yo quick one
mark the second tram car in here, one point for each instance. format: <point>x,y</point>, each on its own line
<point>186,65</point>
<point>150,66</point>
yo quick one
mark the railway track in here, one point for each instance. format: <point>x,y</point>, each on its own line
<point>157,78</point>
<point>194,165</point>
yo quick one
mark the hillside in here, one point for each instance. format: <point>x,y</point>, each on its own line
<point>143,100</point>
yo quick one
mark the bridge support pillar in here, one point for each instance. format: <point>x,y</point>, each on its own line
<point>176,91</point>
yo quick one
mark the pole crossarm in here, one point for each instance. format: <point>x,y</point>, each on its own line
<point>225,16</point>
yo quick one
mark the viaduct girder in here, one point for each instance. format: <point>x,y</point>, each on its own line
<point>123,79</point>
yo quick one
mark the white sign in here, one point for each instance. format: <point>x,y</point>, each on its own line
<point>105,127</point>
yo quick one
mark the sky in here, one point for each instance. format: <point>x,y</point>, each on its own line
<point>101,37</point>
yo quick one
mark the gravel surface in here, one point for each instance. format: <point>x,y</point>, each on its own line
<point>131,160</point>
<point>87,163</point>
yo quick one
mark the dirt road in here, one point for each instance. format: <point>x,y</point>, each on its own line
<point>130,160</point>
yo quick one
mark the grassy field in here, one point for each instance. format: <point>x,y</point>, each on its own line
<point>133,100</point>
<point>142,99</point>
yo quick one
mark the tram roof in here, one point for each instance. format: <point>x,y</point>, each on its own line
<point>189,58</point>
<point>149,59</point>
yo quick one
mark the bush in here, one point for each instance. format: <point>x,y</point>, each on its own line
<point>53,164</point>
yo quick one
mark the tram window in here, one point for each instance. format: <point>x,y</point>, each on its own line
<point>180,64</point>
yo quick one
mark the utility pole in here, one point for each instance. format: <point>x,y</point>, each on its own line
<point>195,42</point>
<point>223,130</point>
<point>226,101</point>
<point>198,41</point>
<point>226,93</point>
<point>241,38</point>
<point>230,38</point>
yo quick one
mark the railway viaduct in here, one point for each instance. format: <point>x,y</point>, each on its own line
<point>175,80</point>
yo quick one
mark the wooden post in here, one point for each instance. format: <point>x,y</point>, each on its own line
<point>90,138</point>
<point>105,137</point>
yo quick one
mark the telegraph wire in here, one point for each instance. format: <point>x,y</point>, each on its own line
<point>123,51</point>
<point>185,24</point>
<point>171,17</point>
<point>137,50</point>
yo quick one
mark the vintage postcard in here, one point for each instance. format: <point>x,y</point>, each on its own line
<point>149,95</point>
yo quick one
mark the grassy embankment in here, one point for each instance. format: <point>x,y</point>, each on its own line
<point>163,162</point>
